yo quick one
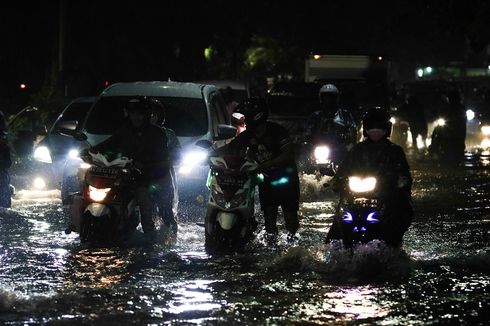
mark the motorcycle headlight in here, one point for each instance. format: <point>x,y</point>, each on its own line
<point>42,154</point>
<point>97,194</point>
<point>357,184</point>
<point>39,183</point>
<point>321,154</point>
<point>234,202</point>
<point>192,159</point>
<point>485,130</point>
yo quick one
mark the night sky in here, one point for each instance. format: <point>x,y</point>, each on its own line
<point>157,40</point>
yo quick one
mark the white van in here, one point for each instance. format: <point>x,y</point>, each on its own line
<point>193,111</point>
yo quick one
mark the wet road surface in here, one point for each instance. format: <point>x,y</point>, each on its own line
<point>440,277</point>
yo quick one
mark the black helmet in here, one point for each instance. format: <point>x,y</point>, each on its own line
<point>328,94</point>
<point>139,103</point>
<point>255,111</point>
<point>376,118</point>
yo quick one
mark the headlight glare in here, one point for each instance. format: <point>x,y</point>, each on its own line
<point>42,154</point>
<point>321,154</point>
<point>97,194</point>
<point>357,184</point>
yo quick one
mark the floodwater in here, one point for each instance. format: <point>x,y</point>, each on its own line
<point>440,277</point>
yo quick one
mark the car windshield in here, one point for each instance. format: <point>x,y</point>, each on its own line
<point>186,116</point>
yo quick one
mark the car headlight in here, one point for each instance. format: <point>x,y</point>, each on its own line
<point>97,194</point>
<point>321,154</point>
<point>393,120</point>
<point>357,184</point>
<point>73,153</point>
<point>42,154</point>
<point>485,130</point>
<point>192,159</point>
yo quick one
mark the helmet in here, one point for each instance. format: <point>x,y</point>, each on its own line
<point>255,111</point>
<point>376,118</point>
<point>157,110</point>
<point>328,95</point>
<point>329,88</point>
<point>139,103</point>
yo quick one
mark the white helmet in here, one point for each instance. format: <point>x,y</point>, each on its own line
<point>329,88</point>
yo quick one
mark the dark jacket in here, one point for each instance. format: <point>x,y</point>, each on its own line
<point>147,147</point>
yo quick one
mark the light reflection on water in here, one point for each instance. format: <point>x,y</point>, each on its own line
<point>440,276</point>
<point>192,296</point>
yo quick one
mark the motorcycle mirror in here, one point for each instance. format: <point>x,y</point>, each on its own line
<point>203,143</point>
<point>225,132</point>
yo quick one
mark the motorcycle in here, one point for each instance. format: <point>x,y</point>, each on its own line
<point>105,210</point>
<point>363,213</point>
<point>446,146</point>
<point>327,153</point>
<point>229,221</point>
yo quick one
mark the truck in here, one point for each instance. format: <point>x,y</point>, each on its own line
<point>363,80</point>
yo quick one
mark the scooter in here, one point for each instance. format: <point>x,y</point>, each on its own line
<point>230,222</point>
<point>363,215</point>
<point>105,210</point>
<point>327,153</point>
<point>445,147</point>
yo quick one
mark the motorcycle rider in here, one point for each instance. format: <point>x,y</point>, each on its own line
<point>146,144</point>
<point>331,118</point>
<point>169,200</point>
<point>378,155</point>
<point>269,145</point>
<point>452,142</point>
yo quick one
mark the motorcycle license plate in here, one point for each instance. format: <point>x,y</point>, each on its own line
<point>104,172</point>
<point>231,181</point>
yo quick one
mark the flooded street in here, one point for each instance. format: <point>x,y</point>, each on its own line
<point>440,277</point>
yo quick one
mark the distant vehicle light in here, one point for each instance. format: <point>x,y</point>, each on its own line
<point>428,70</point>
<point>440,122</point>
<point>393,120</point>
<point>316,56</point>
<point>23,86</point>
<point>470,114</point>
<point>357,184</point>
<point>420,73</point>
<point>380,58</point>
<point>39,183</point>
<point>485,143</point>
<point>191,160</point>
<point>42,154</point>
<point>485,130</point>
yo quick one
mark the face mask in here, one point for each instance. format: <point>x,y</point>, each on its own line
<point>375,134</point>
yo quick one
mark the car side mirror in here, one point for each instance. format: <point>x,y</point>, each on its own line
<point>225,132</point>
<point>67,126</point>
